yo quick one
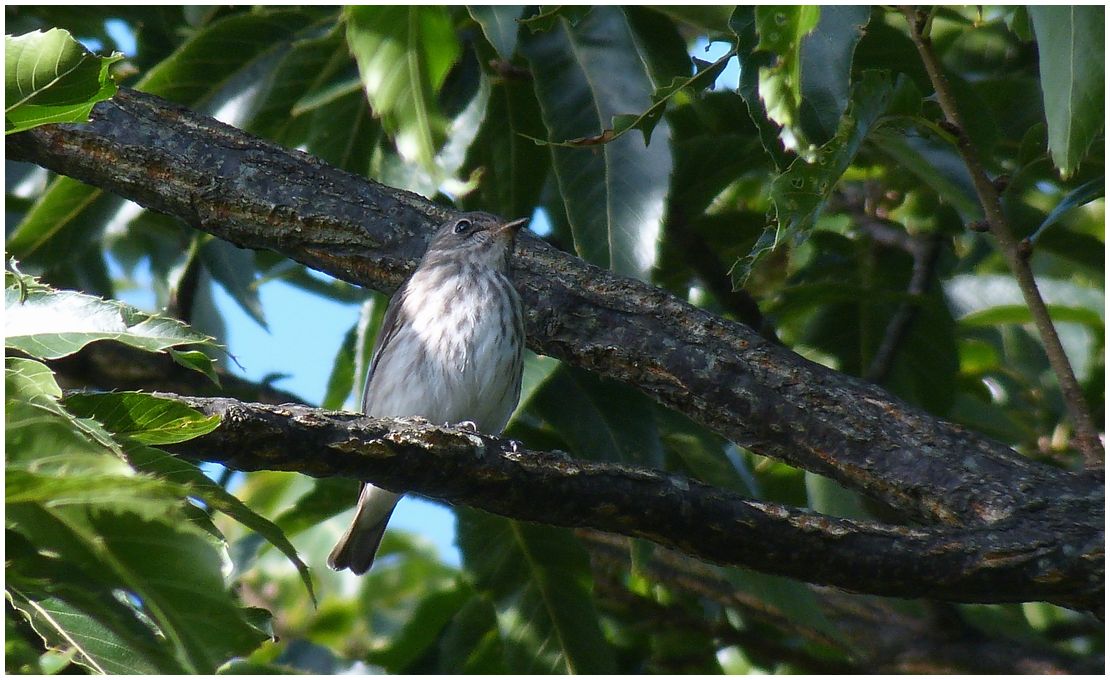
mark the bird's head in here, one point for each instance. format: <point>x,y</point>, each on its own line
<point>474,238</point>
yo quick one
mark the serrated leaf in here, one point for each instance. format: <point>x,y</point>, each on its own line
<point>50,324</point>
<point>403,55</point>
<point>538,579</point>
<point>196,360</point>
<point>752,61</point>
<point>499,25</point>
<point>825,69</point>
<point>51,78</point>
<point>781,31</point>
<point>143,418</point>
<point>164,466</point>
<point>713,18</point>
<point>33,412</point>
<point>613,196</point>
<point>799,194</point>
<point>1072,80</point>
<point>546,16</point>
<point>93,645</point>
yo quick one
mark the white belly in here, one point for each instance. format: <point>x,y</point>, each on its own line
<point>454,359</point>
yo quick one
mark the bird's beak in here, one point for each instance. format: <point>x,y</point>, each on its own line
<point>513,227</point>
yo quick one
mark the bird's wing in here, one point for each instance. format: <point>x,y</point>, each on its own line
<point>390,325</point>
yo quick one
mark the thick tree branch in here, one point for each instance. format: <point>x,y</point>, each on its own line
<point>1087,436</point>
<point>1009,561</point>
<point>720,373</point>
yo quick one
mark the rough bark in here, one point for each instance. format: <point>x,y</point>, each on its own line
<point>720,373</point>
<point>977,564</point>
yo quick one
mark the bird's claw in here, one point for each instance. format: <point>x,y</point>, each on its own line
<point>468,425</point>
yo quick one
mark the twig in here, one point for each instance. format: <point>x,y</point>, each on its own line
<point>1087,437</point>
<point>925,251</point>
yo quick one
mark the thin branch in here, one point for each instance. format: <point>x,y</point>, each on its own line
<point>1087,435</point>
<point>1010,561</point>
<point>719,373</point>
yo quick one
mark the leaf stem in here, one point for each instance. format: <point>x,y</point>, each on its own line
<point>1087,438</point>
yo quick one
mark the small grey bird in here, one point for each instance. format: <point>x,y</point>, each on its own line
<point>449,350</point>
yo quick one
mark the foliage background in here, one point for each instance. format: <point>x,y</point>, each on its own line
<point>867,201</point>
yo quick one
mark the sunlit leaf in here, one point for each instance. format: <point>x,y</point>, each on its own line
<point>614,196</point>
<point>50,78</point>
<point>403,55</point>
<point>49,324</point>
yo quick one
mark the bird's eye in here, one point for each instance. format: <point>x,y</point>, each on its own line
<point>462,226</point>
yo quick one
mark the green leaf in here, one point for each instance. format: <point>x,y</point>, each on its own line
<point>94,645</point>
<point>538,369</point>
<point>931,159</point>
<point>599,419</point>
<point>1072,78</point>
<point>613,196</point>
<point>50,78</point>
<point>197,361</point>
<point>713,18</point>
<point>403,55</point>
<point>825,68</point>
<point>539,580</point>
<point>548,16</point>
<point>56,219</point>
<point>513,169</point>
<point>471,643</point>
<point>31,395</point>
<point>695,450</point>
<point>1081,195</point>
<point>434,610</point>
<point>215,53</point>
<point>781,31</point>
<point>342,377</point>
<point>499,25</point>
<point>830,498</point>
<point>310,65</point>
<point>143,417</point>
<point>752,61</point>
<point>799,194</point>
<point>50,324</point>
<point>172,469</point>
<point>646,121</point>
<point>177,575</point>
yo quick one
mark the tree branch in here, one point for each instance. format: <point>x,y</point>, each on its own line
<point>720,373</point>
<point>1010,561</point>
<point>1087,437</point>
<point>877,637</point>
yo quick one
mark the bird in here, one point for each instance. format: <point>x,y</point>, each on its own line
<point>450,350</point>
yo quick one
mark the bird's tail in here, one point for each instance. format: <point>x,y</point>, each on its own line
<point>356,549</point>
